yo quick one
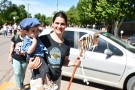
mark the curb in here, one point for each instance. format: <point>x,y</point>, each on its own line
<point>7,76</point>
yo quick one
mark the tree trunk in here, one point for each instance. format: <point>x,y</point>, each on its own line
<point>115,28</point>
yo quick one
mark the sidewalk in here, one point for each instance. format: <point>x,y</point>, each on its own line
<point>11,85</point>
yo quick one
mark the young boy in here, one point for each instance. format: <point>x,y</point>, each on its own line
<point>33,47</point>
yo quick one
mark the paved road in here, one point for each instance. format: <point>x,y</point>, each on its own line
<point>7,78</point>
<point>5,66</point>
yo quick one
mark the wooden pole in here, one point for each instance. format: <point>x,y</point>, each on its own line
<point>73,73</point>
<point>72,77</point>
<point>86,42</point>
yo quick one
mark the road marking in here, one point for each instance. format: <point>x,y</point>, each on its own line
<point>7,86</point>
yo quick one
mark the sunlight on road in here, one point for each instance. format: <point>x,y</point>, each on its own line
<point>7,86</point>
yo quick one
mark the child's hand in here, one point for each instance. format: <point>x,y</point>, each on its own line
<point>34,39</point>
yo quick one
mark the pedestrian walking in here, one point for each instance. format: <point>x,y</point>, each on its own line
<point>15,29</point>
<point>18,59</point>
<point>5,30</point>
<point>10,30</point>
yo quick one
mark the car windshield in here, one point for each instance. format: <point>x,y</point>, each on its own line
<point>119,41</point>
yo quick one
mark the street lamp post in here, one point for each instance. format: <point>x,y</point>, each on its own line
<point>94,26</point>
<point>121,33</point>
<point>57,5</point>
<point>28,10</point>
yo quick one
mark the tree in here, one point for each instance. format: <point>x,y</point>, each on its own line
<point>4,4</point>
<point>41,18</point>
<point>22,13</point>
<point>18,12</point>
<point>115,12</point>
<point>72,16</point>
<point>86,11</point>
<point>109,12</point>
<point>49,21</point>
<point>9,10</point>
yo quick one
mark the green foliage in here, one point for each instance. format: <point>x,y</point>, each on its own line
<point>72,16</point>
<point>87,12</point>
<point>109,12</point>
<point>9,10</point>
<point>48,21</point>
<point>41,18</point>
<point>4,4</point>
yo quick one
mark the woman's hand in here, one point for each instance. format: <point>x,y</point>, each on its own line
<point>77,62</point>
<point>69,63</point>
<point>34,63</point>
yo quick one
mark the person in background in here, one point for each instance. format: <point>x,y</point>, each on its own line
<point>103,29</point>
<point>42,27</point>
<point>10,30</point>
<point>5,30</point>
<point>58,49</point>
<point>18,59</point>
<point>15,28</point>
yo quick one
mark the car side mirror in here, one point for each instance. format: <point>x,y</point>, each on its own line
<point>108,52</point>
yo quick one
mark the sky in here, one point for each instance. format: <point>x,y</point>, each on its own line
<point>46,7</point>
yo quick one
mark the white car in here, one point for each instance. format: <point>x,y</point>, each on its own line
<point>115,68</point>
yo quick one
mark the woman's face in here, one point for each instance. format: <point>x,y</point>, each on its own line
<point>59,25</point>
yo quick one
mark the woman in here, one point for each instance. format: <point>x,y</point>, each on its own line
<point>19,59</point>
<point>58,49</point>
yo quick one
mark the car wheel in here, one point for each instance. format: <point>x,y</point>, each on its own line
<point>131,83</point>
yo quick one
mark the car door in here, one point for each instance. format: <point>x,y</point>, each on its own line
<point>72,37</point>
<point>102,68</point>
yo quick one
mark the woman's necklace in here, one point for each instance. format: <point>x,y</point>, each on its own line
<point>57,39</point>
<point>61,42</point>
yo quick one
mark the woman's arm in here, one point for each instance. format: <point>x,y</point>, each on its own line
<point>68,62</point>
<point>34,63</point>
<point>10,52</point>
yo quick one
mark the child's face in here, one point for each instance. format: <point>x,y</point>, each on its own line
<point>33,32</point>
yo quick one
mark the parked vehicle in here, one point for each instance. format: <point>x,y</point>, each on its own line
<point>112,62</point>
<point>131,39</point>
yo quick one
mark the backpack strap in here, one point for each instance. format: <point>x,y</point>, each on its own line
<point>16,37</point>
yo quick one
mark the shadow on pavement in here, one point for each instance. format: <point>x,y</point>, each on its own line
<point>91,84</point>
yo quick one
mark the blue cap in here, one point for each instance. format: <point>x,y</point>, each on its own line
<point>27,23</point>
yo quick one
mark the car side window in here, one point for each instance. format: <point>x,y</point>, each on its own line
<point>115,50</point>
<point>69,35</point>
<point>81,34</point>
<point>102,45</point>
